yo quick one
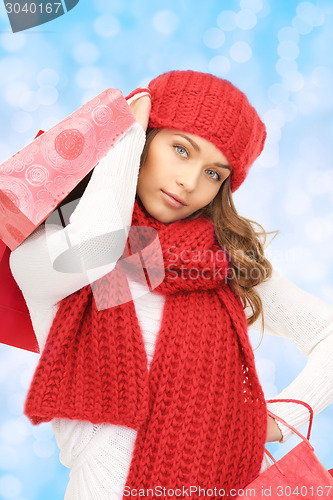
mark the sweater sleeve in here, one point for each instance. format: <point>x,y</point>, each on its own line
<point>308,321</point>
<point>55,261</point>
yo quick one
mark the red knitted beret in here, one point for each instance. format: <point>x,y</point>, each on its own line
<point>213,108</point>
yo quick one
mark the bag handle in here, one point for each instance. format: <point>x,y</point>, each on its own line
<point>135,94</point>
<point>276,417</point>
<point>285,423</point>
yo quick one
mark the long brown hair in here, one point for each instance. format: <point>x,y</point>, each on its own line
<point>242,239</point>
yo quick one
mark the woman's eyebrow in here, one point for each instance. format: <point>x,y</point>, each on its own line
<point>194,144</point>
<point>222,166</point>
<point>197,148</point>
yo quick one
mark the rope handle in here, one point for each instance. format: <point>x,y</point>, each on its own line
<point>139,92</point>
<point>294,401</point>
<point>276,417</point>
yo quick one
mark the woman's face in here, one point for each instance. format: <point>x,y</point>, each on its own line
<point>182,165</point>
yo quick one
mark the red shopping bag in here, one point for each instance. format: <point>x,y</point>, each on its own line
<point>299,474</point>
<point>15,323</point>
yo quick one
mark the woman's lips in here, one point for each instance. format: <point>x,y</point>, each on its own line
<point>171,201</point>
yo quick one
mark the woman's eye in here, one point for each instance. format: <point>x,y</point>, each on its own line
<point>217,177</point>
<point>181,151</point>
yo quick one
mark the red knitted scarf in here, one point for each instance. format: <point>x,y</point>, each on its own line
<point>200,412</point>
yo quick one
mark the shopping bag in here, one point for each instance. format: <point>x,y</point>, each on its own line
<point>34,181</point>
<point>299,474</point>
<point>15,324</point>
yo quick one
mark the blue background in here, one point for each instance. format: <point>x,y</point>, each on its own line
<point>280,55</point>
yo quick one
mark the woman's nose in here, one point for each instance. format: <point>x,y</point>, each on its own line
<point>188,178</point>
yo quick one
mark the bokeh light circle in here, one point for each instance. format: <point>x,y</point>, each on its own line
<point>13,90</point>
<point>241,52</point>
<point>213,38</point>
<point>47,76</point>
<point>11,68</point>
<point>318,229</point>
<point>47,95</point>
<point>319,183</point>
<point>269,158</point>
<point>283,67</point>
<point>288,50</point>
<point>273,135</point>
<point>219,66</point>
<point>13,43</point>
<point>88,77</point>
<point>306,101</point>
<point>165,22</point>
<point>301,26</point>
<point>246,19</point>
<point>43,432</point>
<point>322,77</point>
<point>310,14</point>
<point>21,121</point>
<point>15,403</point>
<point>288,34</point>
<point>26,377</point>
<point>289,110</point>
<point>277,93</point>
<point>107,26</point>
<point>86,53</point>
<point>28,101</point>
<point>254,5</point>
<point>44,449</point>
<point>298,203</point>
<point>274,118</point>
<point>226,20</point>
<point>293,82</point>
<point>14,431</point>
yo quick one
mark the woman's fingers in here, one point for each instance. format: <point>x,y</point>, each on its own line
<point>141,109</point>
<point>273,430</point>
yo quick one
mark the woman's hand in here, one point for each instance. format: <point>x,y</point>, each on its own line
<point>273,430</point>
<point>141,109</point>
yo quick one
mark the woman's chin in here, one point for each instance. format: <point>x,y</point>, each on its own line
<point>160,211</point>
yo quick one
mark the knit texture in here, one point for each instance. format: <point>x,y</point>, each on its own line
<point>213,108</point>
<point>201,414</point>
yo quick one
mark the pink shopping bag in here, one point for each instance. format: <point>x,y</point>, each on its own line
<point>35,180</point>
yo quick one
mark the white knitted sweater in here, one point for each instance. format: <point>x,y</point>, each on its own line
<point>100,455</point>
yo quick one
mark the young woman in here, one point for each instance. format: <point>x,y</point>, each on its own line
<point>147,372</point>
